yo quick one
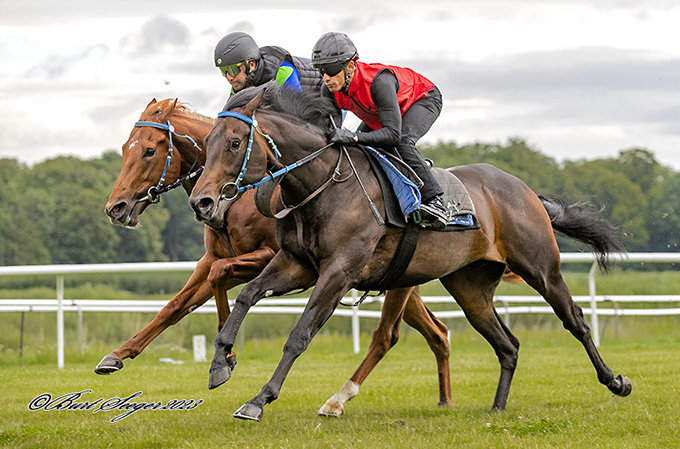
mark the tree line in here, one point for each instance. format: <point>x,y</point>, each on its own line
<point>53,212</point>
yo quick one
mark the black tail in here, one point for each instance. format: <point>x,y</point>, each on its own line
<point>583,222</point>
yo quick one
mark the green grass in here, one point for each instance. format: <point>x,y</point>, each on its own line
<point>555,401</point>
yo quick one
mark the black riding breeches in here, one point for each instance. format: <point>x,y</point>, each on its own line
<point>414,124</point>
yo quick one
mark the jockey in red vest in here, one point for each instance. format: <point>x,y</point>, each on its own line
<point>397,107</point>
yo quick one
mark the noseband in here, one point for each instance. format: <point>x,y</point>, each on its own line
<point>153,195</point>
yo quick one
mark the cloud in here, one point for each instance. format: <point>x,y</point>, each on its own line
<point>244,25</point>
<point>589,68</point>
<point>576,103</point>
<point>592,88</point>
<point>58,66</point>
<point>161,34</point>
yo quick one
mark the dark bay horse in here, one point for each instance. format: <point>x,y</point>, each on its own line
<point>236,251</point>
<point>332,241</point>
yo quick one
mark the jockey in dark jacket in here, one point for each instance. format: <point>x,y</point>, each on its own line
<point>244,64</point>
<point>396,105</point>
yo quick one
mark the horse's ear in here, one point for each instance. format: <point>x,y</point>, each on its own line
<point>153,101</point>
<point>254,104</point>
<point>167,112</point>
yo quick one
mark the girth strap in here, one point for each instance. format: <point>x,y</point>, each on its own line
<point>299,229</point>
<point>402,256</point>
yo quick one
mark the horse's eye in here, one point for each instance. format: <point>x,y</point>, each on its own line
<point>235,144</point>
<point>149,152</point>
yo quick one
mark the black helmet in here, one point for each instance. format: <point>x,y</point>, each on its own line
<point>234,48</point>
<point>333,48</point>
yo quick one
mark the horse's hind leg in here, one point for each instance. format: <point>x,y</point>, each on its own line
<point>473,287</point>
<point>419,317</point>
<point>385,335</point>
<point>550,284</point>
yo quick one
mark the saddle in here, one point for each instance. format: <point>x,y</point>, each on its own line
<point>397,193</point>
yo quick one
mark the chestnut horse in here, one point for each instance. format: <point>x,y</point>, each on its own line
<point>332,241</point>
<point>236,251</point>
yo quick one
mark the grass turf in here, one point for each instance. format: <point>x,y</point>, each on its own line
<point>555,401</point>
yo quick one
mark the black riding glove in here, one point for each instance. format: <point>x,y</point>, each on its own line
<point>344,137</point>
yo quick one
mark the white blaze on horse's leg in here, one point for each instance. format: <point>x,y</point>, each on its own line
<point>334,406</point>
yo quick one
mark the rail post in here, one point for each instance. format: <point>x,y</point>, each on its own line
<point>594,324</point>
<point>60,321</point>
<point>355,323</point>
<point>80,330</point>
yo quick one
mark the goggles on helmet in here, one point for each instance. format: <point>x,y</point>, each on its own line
<point>330,69</point>
<point>232,69</point>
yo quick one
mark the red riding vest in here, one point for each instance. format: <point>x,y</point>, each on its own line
<point>412,87</point>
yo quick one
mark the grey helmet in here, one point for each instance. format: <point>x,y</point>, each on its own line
<point>333,48</point>
<point>234,48</point>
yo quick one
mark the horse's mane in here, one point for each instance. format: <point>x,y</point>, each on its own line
<point>181,110</point>
<point>307,108</point>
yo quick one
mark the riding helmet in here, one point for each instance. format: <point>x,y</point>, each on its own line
<point>333,48</point>
<point>234,48</point>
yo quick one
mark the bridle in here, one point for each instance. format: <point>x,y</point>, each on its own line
<point>154,192</point>
<point>236,185</point>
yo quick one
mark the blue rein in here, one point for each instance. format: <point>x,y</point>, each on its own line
<point>253,126</point>
<point>154,191</point>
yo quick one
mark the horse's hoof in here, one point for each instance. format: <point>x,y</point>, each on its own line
<point>109,365</point>
<point>249,411</point>
<point>621,386</point>
<point>219,377</point>
<point>231,360</point>
<point>331,408</point>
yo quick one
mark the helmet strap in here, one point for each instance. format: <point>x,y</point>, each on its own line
<point>345,87</point>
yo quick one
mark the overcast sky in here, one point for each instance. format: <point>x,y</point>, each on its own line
<point>576,79</point>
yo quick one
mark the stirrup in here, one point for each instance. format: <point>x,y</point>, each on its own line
<point>435,219</point>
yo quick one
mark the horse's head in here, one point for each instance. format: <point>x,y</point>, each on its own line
<point>146,163</point>
<point>236,154</point>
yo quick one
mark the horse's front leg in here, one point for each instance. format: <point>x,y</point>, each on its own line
<point>227,273</point>
<point>283,274</point>
<point>326,296</point>
<point>196,292</point>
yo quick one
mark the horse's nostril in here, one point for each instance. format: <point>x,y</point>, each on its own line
<point>205,203</point>
<point>202,206</point>
<point>117,210</point>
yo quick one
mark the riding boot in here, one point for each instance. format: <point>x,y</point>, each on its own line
<point>434,214</point>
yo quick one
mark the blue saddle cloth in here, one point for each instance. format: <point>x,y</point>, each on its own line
<point>396,186</point>
<point>407,193</point>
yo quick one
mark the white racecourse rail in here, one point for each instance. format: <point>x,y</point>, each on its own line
<point>296,305</point>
